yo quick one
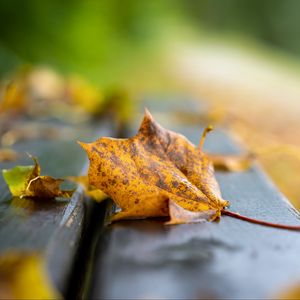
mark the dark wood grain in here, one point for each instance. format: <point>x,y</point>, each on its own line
<point>54,228</point>
<point>227,259</point>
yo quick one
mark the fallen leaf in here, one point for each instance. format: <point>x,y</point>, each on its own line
<point>18,178</point>
<point>14,97</point>
<point>23,276</point>
<point>156,173</point>
<point>85,95</point>
<point>89,189</point>
<point>290,292</point>
<point>26,181</point>
<point>30,132</point>
<point>233,163</point>
<point>8,155</point>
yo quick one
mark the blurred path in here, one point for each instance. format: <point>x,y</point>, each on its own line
<point>259,95</point>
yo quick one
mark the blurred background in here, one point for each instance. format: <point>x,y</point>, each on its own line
<point>240,57</point>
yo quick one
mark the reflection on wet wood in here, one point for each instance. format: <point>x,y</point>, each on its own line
<point>53,228</point>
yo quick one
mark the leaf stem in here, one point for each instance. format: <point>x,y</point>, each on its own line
<point>259,222</point>
<point>205,132</point>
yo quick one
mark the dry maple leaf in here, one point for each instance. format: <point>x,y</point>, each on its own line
<point>156,173</point>
<point>160,173</point>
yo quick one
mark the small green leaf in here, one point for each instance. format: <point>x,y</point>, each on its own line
<point>26,181</point>
<point>18,178</point>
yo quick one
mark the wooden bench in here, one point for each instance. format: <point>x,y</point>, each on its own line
<point>56,229</point>
<point>228,259</point>
<point>146,259</point>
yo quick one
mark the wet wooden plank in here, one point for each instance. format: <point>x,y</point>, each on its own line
<point>226,259</point>
<point>53,228</point>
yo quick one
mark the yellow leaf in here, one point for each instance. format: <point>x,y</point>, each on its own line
<point>146,174</point>
<point>89,189</point>
<point>232,163</point>
<point>14,98</point>
<point>85,95</point>
<point>23,276</point>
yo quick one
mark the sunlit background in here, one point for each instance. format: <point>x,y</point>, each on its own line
<point>66,65</point>
<point>240,56</point>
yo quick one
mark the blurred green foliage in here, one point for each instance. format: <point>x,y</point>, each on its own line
<point>107,39</point>
<point>94,38</point>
